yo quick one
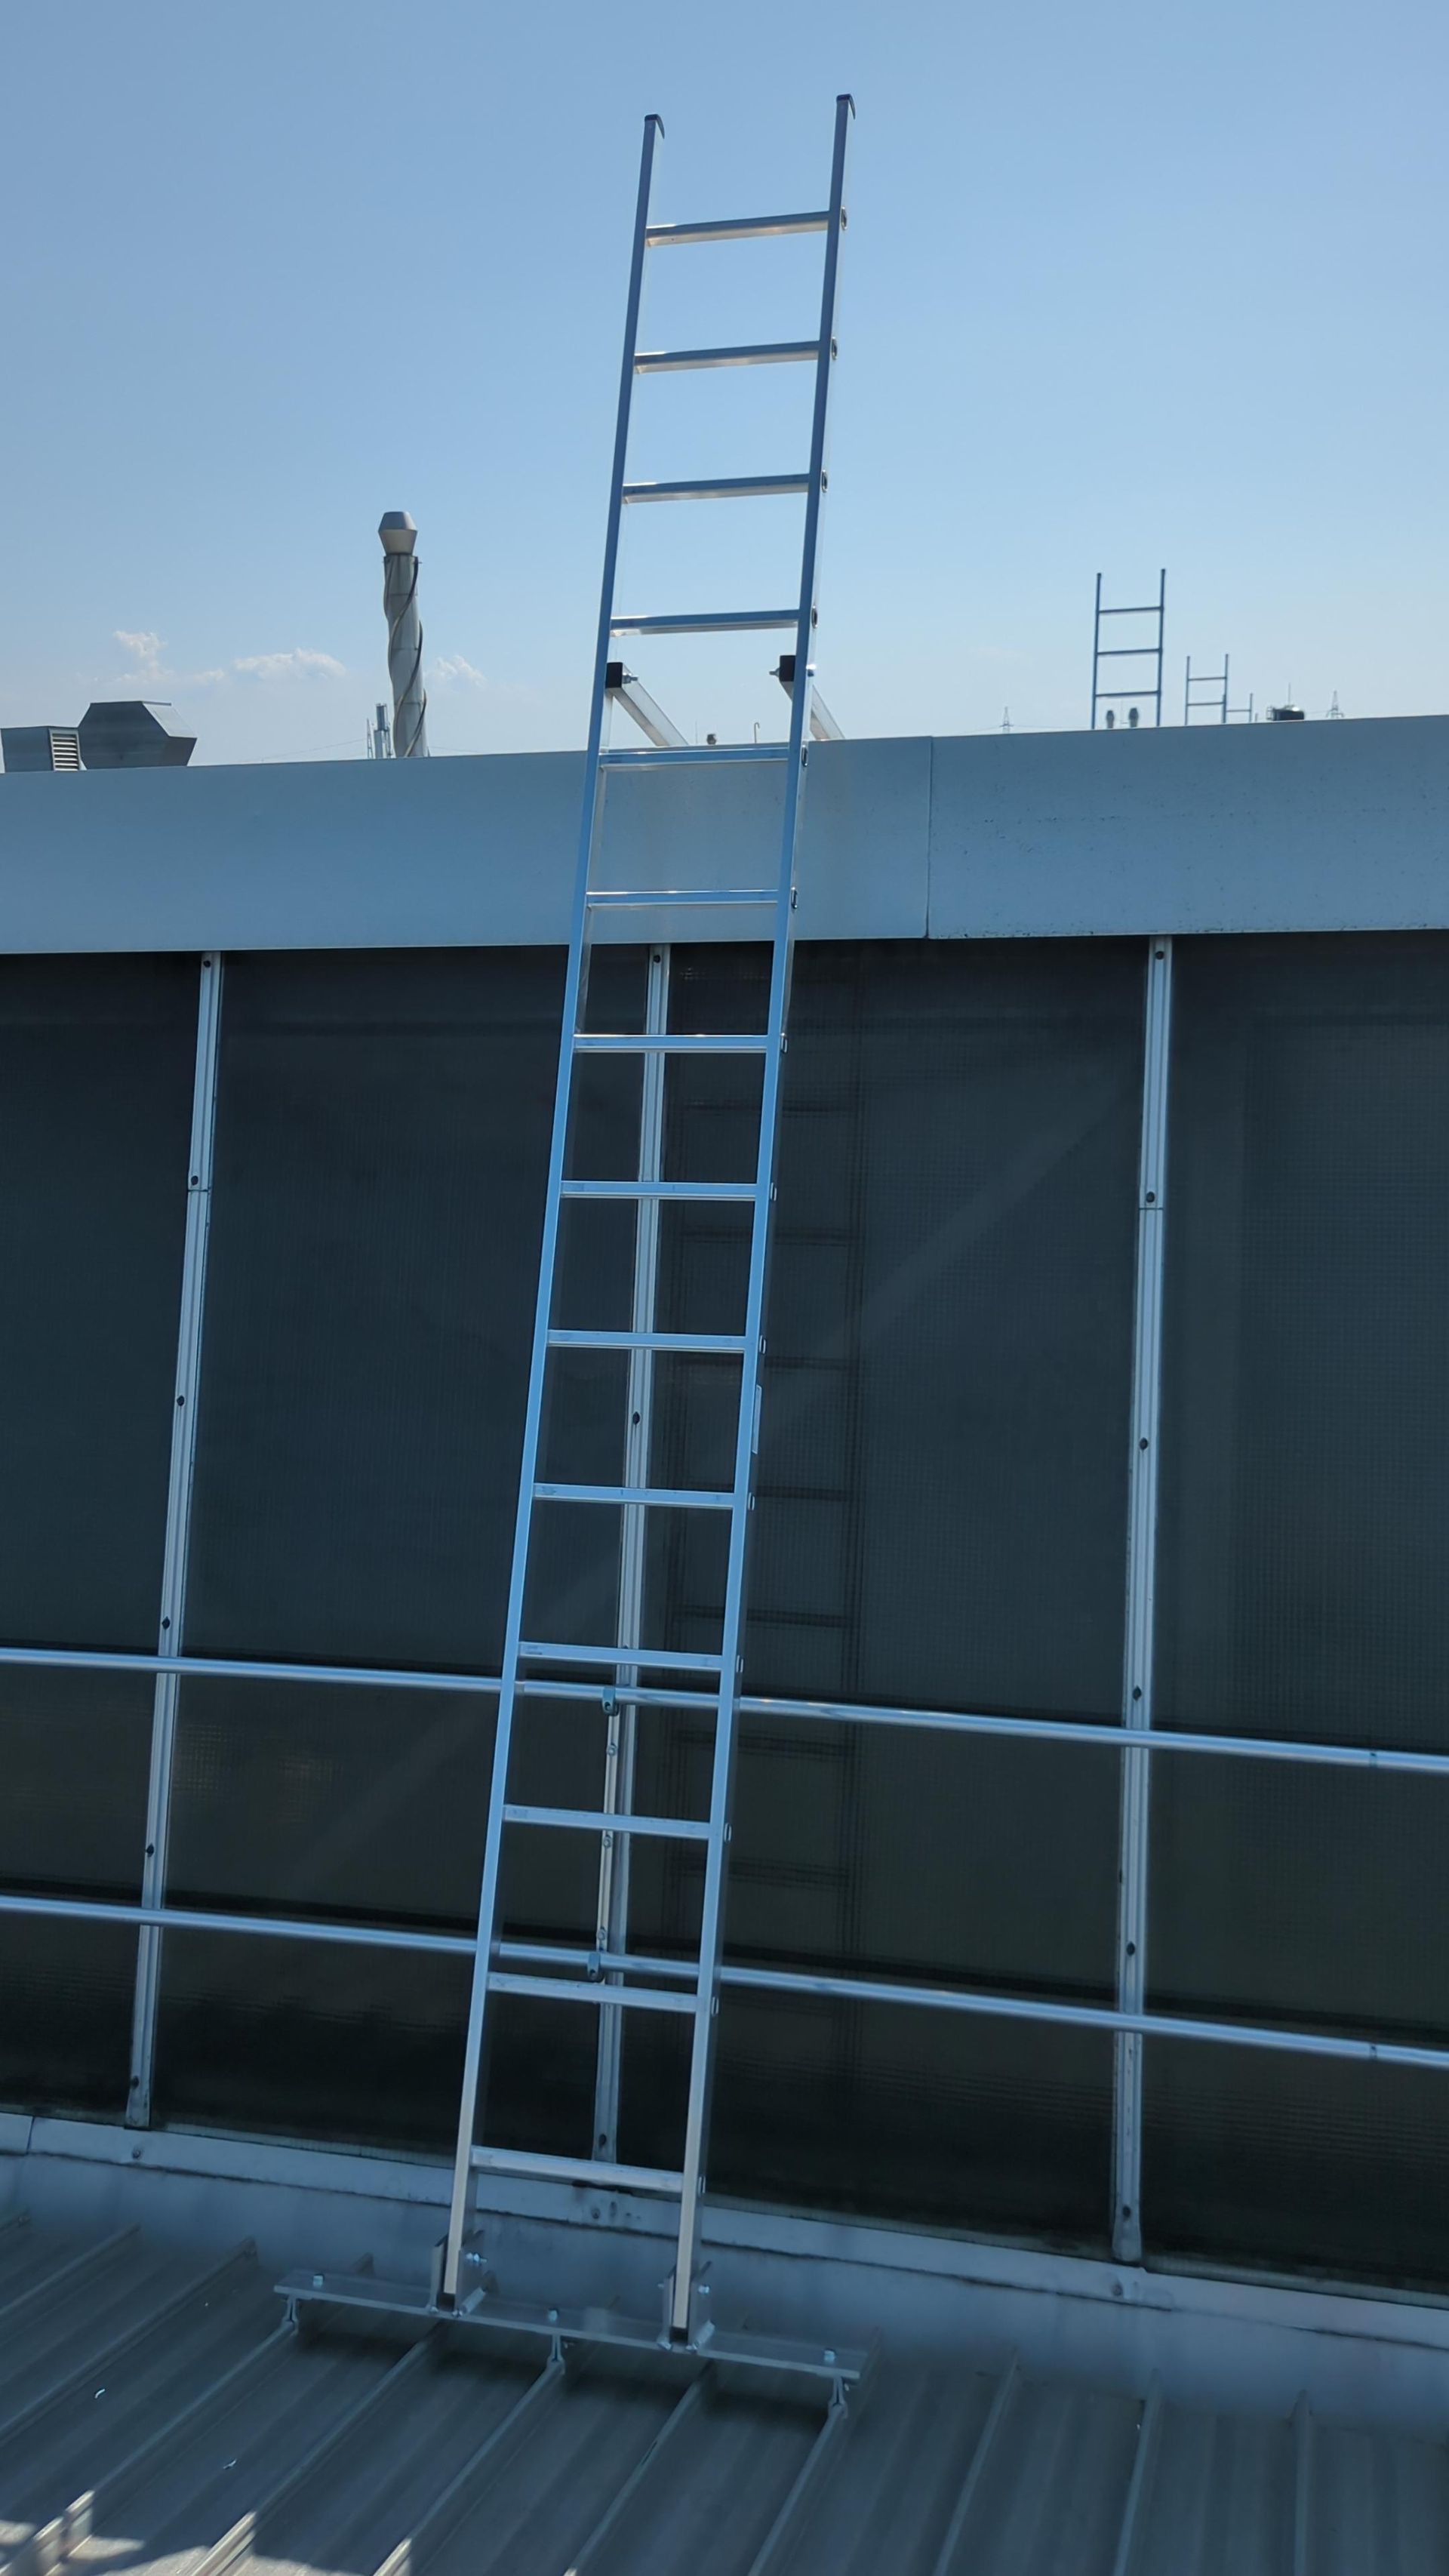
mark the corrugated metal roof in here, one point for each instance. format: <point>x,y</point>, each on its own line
<point>157,2415</point>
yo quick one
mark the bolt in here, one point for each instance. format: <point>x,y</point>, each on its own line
<point>1137,1690</point>
<point>180,1401</point>
<point>1131,1949</point>
<point>1141,1444</point>
<point>1152,1198</point>
<point>165,1624</point>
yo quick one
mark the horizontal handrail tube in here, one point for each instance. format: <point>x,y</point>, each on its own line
<point>226,1668</point>
<point>577,1990</point>
<point>1149,608</point>
<point>735,228</point>
<point>607,1820</point>
<point>763,1980</point>
<point>518,2160</point>
<point>178,1918</point>
<point>745,353</point>
<point>1299,2043</point>
<point>1108,1736</point>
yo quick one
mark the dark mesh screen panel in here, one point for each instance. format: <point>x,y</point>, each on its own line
<point>942,1522</point>
<point>96,1065</point>
<point>96,1068</point>
<point>382,1142</point>
<point>354,1806</point>
<point>72,1824</point>
<point>1305,1466</point>
<point>305,2039</point>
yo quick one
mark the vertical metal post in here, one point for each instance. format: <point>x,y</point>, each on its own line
<point>706,2006</point>
<point>613,1906</point>
<point>1225,689</point>
<point>1141,1587</point>
<point>574,984</point>
<point>1187,693</point>
<point>1096,648</point>
<point>177,1550</point>
<point>1161,636</point>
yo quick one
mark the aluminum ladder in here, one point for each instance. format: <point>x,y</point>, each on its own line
<point>689,1987</point>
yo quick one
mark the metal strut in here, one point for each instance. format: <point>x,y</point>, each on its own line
<point>623,1661</point>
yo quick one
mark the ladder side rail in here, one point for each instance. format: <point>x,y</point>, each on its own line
<point>1096,648</point>
<point>1161,635</point>
<point>623,1718</point>
<point>572,1012</point>
<point>712,1918</point>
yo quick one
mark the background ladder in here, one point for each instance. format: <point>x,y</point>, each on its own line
<point>1149,687</point>
<point>1205,694</point>
<point>610,1977</point>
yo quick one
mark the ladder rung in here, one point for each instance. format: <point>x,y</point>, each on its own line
<point>597,1963</point>
<point>688,894</point>
<point>749,353</point>
<point>735,228</point>
<point>683,753</point>
<point>574,1990</point>
<point>705,1193</point>
<point>622,1043</point>
<point>515,2160</point>
<point>728,487</point>
<point>669,1498</point>
<point>584,1820</point>
<point>726,621</point>
<point>686,1345</point>
<point>649,1659</point>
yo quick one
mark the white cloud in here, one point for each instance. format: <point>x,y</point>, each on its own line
<point>300,663</point>
<point>143,647</point>
<point>451,667</point>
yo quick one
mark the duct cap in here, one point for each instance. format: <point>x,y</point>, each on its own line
<point>398,531</point>
<point>132,733</point>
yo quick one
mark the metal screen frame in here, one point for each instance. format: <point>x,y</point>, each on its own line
<point>569,1969</point>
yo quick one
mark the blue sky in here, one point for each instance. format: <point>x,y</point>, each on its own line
<point>1125,287</point>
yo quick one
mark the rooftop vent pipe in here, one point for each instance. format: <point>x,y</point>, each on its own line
<point>404,636</point>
